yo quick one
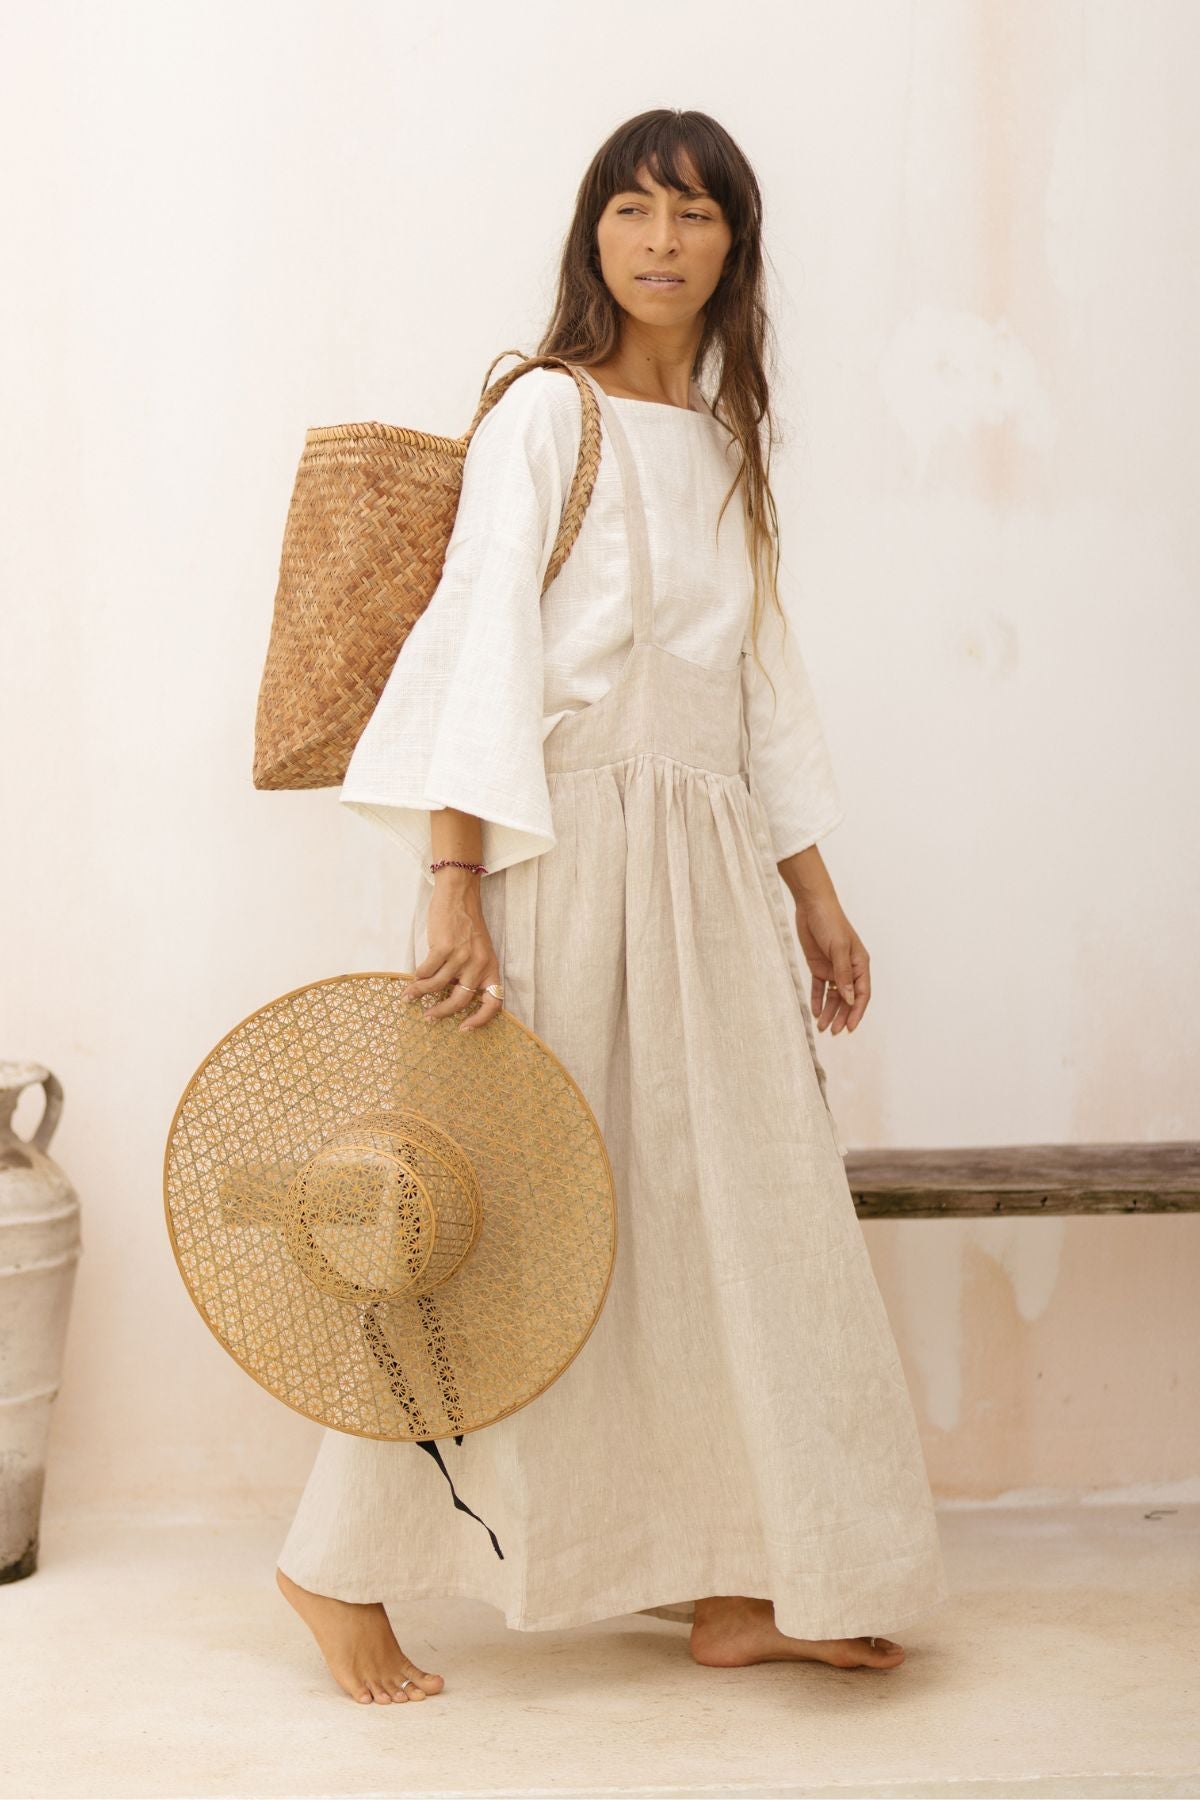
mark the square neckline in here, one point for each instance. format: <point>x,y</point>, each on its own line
<point>703,412</point>
<point>695,412</point>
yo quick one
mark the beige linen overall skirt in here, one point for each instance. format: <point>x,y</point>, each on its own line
<point>738,1421</point>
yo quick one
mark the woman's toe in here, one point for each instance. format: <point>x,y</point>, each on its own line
<point>422,1682</point>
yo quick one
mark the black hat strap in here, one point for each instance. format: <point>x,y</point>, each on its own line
<point>394,1374</point>
<point>430,1444</point>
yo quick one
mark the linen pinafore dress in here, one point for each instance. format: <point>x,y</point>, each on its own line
<point>738,1421</point>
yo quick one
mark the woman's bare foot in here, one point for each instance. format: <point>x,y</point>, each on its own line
<point>730,1630</point>
<point>360,1646</point>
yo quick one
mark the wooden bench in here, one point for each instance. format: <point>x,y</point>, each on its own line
<point>1025,1178</point>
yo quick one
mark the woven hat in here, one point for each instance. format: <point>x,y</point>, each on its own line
<point>400,1229</point>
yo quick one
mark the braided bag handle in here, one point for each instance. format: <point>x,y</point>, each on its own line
<point>587,463</point>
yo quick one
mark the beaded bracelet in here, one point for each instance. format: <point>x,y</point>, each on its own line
<point>449,862</point>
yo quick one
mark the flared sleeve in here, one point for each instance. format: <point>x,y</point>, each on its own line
<point>459,720</point>
<point>789,761</point>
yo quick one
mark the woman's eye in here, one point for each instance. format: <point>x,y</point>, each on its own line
<point>687,215</point>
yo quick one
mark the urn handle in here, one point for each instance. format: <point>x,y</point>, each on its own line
<point>14,1077</point>
<point>48,1123</point>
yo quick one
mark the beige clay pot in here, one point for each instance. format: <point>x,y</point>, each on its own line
<point>39,1247</point>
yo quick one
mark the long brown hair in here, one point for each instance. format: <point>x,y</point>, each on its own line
<point>585,326</point>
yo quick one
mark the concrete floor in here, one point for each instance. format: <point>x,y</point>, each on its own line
<point>146,1659</point>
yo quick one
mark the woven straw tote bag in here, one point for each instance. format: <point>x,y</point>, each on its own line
<point>369,520</point>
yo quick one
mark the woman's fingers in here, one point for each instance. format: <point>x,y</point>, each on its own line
<point>488,1007</point>
<point>465,990</point>
<point>862,992</point>
<point>429,975</point>
<point>842,1017</point>
<point>849,1012</point>
<point>463,993</point>
<point>839,1005</point>
<point>833,1008</point>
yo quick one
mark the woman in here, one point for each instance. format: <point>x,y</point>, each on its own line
<point>635,758</point>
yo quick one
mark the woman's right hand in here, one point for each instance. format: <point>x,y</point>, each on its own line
<point>460,950</point>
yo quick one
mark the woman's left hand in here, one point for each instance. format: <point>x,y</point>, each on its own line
<point>837,956</point>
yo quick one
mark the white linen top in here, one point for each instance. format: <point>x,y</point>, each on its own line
<point>491,665</point>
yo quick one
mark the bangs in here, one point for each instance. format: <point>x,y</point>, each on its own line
<point>666,147</point>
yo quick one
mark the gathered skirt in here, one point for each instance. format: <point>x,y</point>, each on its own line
<point>738,1421</point>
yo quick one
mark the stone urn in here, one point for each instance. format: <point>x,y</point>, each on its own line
<point>39,1247</point>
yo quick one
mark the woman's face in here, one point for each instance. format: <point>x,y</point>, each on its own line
<point>657,229</point>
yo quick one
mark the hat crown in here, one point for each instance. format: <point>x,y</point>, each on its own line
<point>387,1208</point>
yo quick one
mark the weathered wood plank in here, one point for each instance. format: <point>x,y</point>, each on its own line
<point>979,1181</point>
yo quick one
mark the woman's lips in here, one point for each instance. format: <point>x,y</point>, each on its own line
<point>659,281</point>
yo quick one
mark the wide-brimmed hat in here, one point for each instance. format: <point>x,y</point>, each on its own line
<point>399,1229</point>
